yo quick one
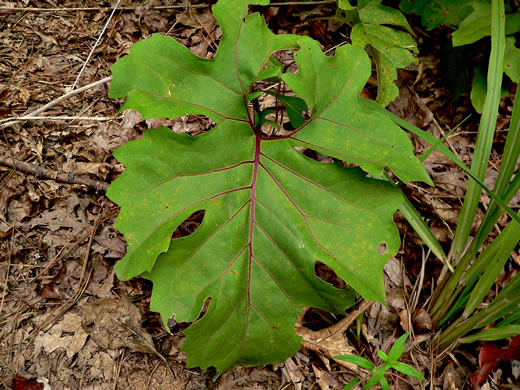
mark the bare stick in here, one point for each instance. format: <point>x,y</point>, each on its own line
<point>95,45</point>
<point>65,118</point>
<point>94,9</point>
<point>12,121</point>
<point>63,177</point>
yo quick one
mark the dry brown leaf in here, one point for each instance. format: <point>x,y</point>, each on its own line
<point>293,374</point>
<point>321,378</point>
<point>331,345</point>
<point>422,321</point>
<point>411,107</point>
<point>115,323</point>
<point>56,336</point>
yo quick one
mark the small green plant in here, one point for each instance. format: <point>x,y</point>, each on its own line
<point>390,361</point>
<point>385,32</point>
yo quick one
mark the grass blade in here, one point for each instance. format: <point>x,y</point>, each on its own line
<point>351,384</point>
<point>443,149</point>
<point>493,334</point>
<point>501,248</point>
<point>486,129</point>
<point>506,302</point>
<point>505,173</point>
<point>414,219</point>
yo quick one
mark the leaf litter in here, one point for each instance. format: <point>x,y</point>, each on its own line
<point>30,79</point>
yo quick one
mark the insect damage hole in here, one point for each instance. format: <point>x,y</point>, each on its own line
<point>382,249</point>
<point>327,274</point>
<point>192,125</point>
<point>190,225</point>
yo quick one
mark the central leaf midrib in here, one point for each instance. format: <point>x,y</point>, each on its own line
<point>252,220</point>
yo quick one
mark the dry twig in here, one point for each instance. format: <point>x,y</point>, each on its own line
<point>12,121</point>
<point>62,177</point>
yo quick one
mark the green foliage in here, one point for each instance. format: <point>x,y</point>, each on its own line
<point>390,48</point>
<point>458,299</point>
<point>477,24</point>
<point>270,211</point>
<point>390,361</point>
<point>472,19</point>
<point>436,12</point>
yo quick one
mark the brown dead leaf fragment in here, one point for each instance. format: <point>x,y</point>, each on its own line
<point>56,337</point>
<point>115,323</point>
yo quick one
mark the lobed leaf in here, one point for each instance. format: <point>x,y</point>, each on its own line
<point>391,48</point>
<point>270,211</point>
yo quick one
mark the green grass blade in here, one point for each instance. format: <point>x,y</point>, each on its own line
<point>442,148</point>
<point>511,319</point>
<point>414,219</point>
<point>493,251</point>
<point>384,384</point>
<point>380,373</point>
<point>434,146</point>
<point>500,248</point>
<point>506,302</point>
<point>505,173</point>
<point>382,355</point>
<point>462,275</point>
<point>459,305</point>
<point>486,128</point>
<point>493,334</point>
<point>397,349</point>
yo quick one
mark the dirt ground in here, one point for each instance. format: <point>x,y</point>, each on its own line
<point>58,243</point>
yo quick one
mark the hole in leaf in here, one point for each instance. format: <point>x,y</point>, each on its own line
<point>192,125</point>
<point>327,274</point>
<point>190,225</point>
<point>314,155</point>
<point>204,309</point>
<point>322,158</point>
<point>382,248</point>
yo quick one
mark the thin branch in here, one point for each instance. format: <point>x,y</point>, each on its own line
<point>62,177</point>
<point>12,121</point>
<point>95,45</point>
<point>65,118</point>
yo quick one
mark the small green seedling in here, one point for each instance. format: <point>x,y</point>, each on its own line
<point>378,373</point>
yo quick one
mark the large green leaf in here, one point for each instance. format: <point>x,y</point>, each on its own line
<point>391,48</point>
<point>270,211</point>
